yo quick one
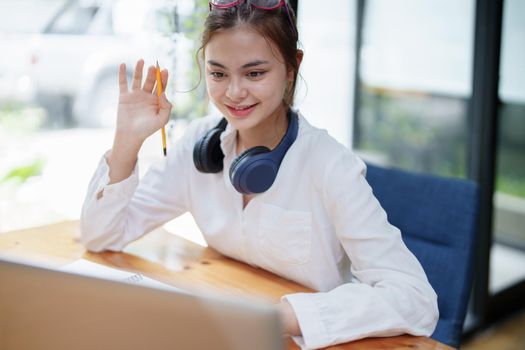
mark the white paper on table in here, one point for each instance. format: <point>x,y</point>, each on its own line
<point>88,268</point>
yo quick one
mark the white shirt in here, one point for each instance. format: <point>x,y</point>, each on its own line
<point>319,225</point>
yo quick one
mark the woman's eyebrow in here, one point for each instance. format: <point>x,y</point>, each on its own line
<point>217,64</point>
<point>247,65</point>
<point>254,63</point>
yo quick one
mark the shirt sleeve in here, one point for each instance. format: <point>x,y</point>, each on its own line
<point>117,214</point>
<point>391,294</point>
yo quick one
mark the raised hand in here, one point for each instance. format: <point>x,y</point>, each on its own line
<point>140,114</point>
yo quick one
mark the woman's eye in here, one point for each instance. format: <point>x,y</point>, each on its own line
<point>217,75</point>
<point>256,74</point>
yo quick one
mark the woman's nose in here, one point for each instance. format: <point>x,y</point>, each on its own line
<point>236,91</point>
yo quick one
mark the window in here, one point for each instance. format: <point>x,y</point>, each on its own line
<point>415,76</point>
<point>508,263</point>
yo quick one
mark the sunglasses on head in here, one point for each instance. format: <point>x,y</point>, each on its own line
<point>259,4</point>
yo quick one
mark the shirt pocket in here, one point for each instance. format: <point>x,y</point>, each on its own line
<point>285,235</point>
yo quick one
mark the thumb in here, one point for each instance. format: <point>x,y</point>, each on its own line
<point>164,109</point>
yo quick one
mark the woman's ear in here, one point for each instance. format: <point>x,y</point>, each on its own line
<point>299,57</point>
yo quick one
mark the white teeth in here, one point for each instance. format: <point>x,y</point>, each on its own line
<point>241,108</point>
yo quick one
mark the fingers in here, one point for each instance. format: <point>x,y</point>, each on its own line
<point>164,109</point>
<point>122,79</point>
<point>164,79</point>
<point>137,76</point>
<point>150,80</point>
<point>164,105</point>
<point>149,83</point>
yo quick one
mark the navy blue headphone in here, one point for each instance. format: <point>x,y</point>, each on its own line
<point>255,169</point>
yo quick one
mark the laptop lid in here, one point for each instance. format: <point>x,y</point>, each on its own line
<point>41,308</point>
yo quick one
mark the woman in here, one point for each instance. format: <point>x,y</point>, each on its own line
<point>264,186</point>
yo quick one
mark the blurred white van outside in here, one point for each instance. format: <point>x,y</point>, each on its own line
<point>75,59</point>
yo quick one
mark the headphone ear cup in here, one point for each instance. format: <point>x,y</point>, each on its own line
<point>207,152</point>
<point>247,153</point>
<point>240,168</point>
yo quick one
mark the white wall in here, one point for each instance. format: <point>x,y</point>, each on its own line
<point>325,92</point>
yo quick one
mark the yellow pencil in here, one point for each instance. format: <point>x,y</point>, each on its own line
<point>159,93</point>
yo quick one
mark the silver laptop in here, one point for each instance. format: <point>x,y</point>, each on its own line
<point>42,308</point>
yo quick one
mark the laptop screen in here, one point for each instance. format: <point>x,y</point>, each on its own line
<point>41,308</point>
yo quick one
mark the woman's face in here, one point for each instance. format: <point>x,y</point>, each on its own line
<point>245,76</point>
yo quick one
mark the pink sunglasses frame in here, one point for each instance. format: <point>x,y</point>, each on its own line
<point>237,2</point>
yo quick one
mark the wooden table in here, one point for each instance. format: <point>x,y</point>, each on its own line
<point>181,263</point>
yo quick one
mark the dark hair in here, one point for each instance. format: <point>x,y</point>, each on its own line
<point>274,25</point>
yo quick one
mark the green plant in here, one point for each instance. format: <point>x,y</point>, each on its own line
<point>416,132</point>
<point>22,173</point>
<point>511,185</point>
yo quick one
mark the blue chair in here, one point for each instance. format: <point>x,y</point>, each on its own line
<point>438,218</point>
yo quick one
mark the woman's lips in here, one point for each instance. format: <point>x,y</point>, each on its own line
<point>241,111</point>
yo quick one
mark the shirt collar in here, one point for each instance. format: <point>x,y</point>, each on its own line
<point>228,138</point>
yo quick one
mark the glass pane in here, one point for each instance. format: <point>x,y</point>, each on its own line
<point>415,84</point>
<point>59,93</point>
<point>509,199</point>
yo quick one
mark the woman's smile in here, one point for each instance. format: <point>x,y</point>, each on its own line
<point>241,111</point>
